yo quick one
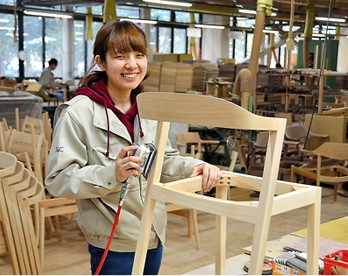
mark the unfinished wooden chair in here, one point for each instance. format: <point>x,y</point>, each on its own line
<point>28,148</point>
<point>11,185</point>
<point>53,207</point>
<point>28,205</point>
<point>196,143</point>
<point>330,165</point>
<point>300,133</point>
<point>8,164</point>
<point>276,196</point>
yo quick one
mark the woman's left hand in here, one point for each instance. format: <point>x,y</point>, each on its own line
<point>211,175</point>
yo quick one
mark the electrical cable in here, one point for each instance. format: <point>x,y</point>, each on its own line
<point>124,191</point>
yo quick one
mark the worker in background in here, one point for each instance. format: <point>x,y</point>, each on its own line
<point>47,79</point>
<point>90,158</point>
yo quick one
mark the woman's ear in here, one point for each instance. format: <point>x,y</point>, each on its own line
<point>100,62</point>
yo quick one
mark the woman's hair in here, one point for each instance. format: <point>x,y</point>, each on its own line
<point>117,36</point>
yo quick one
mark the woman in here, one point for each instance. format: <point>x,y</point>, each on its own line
<point>90,156</point>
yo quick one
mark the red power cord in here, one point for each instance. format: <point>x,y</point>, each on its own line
<point>109,241</point>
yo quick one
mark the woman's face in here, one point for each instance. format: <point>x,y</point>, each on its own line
<point>125,71</point>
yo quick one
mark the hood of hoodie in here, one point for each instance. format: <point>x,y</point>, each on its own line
<point>98,93</point>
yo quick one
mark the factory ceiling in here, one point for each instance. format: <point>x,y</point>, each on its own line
<point>324,8</point>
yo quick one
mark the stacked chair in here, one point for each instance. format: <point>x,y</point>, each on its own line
<point>20,194</point>
<point>29,144</point>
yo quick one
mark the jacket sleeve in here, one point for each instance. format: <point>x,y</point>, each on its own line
<point>69,173</point>
<point>176,167</point>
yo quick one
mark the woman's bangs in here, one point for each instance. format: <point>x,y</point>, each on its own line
<point>125,41</point>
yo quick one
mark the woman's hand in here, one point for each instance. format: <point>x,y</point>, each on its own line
<point>211,175</point>
<point>127,165</point>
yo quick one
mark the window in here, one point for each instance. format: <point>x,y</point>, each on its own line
<point>54,43</point>
<point>33,46</point>
<point>184,17</point>
<point>79,48</point>
<point>180,40</point>
<point>9,48</point>
<point>130,12</point>
<point>240,48</point>
<point>161,15</point>
<point>153,39</point>
<point>164,40</point>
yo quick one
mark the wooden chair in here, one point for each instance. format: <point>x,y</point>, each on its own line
<point>53,207</point>
<point>197,144</point>
<point>8,164</point>
<point>211,111</point>
<point>28,148</point>
<point>298,133</point>
<point>330,165</point>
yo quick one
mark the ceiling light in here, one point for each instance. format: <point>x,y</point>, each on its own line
<point>330,19</point>
<point>145,21</point>
<point>271,32</point>
<point>247,11</point>
<point>170,3</point>
<point>7,28</point>
<point>210,26</point>
<point>47,14</point>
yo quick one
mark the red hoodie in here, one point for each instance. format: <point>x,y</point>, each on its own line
<point>98,93</point>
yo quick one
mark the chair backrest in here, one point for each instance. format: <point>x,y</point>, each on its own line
<point>296,132</point>
<point>210,111</point>
<point>185,139</point>
<point>261,139</point>
<point>333,150</point>
<point>32,144</point>
<point>287,116</point>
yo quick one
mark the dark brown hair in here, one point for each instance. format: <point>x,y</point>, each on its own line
<point>117,36</point>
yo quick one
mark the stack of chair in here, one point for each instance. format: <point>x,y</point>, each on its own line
<point>20,193</point>
<point>30,144</point>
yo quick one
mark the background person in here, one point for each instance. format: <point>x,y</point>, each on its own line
<point>89,160</point>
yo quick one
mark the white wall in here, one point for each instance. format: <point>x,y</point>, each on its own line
<point>342,59</point>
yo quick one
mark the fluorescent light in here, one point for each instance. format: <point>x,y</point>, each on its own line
<point>145,21</point>
<point>7,28</point>
<point>247,11</point>
<point>330,19</point>
<point>47,14</point>
<point>210,26</point>
<point>4,20</point>
<point>170,3</point>
<point>271,32</point>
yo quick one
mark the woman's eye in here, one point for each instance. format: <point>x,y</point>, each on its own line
<point>119,57</point>
<point>140,55</point>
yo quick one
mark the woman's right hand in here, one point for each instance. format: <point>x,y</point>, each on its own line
<point>127,165</point>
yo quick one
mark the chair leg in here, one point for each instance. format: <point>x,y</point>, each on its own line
<point>313,235</point>
<point>193,215</point>
<point>335,190</point>
<point>143,242</point>
<point>221,233</point>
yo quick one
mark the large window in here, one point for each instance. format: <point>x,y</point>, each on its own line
<point>9,48</point>
<point>54,43</point>
<point>33,46</point>
<point>164,40</point>
<point>179,41</point>
<point>161,15</point>
<point>79,48</point>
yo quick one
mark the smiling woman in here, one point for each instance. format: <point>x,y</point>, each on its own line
<point>99,129</point>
